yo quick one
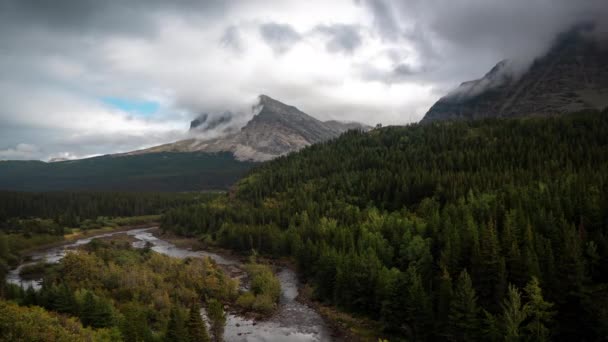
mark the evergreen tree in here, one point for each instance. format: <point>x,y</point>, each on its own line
<point>419,310</point>
<point>65,302</point>
<point>176,329</point>
<point>443,302</point>
<point>464,323</point>
<point>197,329</point>
<point>4,250</point>
<point>513,314</point>
<point>87,312</point>
<point>539,311</point>
<point>134,325</point>
<point>217,316</point>
<point>490,272</point>
<point>96,312</point>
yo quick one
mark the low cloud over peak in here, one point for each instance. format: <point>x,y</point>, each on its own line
<point>365,60</point>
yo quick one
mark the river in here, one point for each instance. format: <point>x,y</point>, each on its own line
<point>293,320</point>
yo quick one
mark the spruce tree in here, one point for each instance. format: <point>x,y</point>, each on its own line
<point>463,319</point>
<point>197,329</point>
<point>513,314</point>
<point>539,311</point>
<point>176,329</point>
<point>217,316</point>
<point>444,298</point>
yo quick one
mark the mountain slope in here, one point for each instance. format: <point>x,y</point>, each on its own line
<point>572,76</point>
<point>391,222</point>
<point>276,129</point>
<point>149,172</point>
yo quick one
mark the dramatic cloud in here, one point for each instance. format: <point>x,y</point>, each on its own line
<point>87,77</point>
<point>280,37</point>
<point>342,38</point>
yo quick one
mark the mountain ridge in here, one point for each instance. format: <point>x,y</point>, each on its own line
<point>274,130</point>
<point>572,76</point>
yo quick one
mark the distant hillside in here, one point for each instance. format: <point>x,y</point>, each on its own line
<point>572,76</point>
<point>275,130</point>
<point>147,172</point>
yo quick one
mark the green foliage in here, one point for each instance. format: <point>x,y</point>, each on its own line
<point>197,330</point>
<point>505,199</point>
<point>513,314</point>
<point>35,324</point>
<point>140,293</point>
<point>464,321</point>
<point>539,311</point>
<point>167,171</point>
<point>176,328</point>
<point>217,316</point>
<point>265,289</point>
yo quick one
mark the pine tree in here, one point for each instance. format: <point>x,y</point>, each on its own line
<point>513,314</point>
<point>87,312</point>
<point>443,301</point>
<point>4,249</point>
<point>419,305</point>
<point>134,325</point>
<point>176,329</point>
<point>217,316</point>
<point>539,312</point>
<point>197,329</point>
<point>463,319</point>
<point>65,301</point>
<point>490,272</point>
<point>96,312</point>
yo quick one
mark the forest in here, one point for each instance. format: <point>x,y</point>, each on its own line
<point>484,230</point>
<point>30,220</point>
<point>149,172</point>
<point>110,291</point>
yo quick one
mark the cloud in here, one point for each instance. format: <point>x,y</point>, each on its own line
<point>280,37</point>
<point>231,39</point>
<point>366,60</point>
<point>21,151</point>
<point>342,38</point>
<point>461,40</point>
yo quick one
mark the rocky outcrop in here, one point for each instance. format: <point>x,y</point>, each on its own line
<point>572,76</point>
<point>275,130</point>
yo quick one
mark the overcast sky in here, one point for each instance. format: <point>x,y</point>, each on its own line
<point>87,77</point>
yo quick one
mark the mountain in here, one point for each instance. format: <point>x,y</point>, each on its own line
<point>193,171</point>
<point>275,129</point>
<point>572,76</point>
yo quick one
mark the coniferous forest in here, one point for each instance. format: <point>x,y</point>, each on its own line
<point>484,230</point>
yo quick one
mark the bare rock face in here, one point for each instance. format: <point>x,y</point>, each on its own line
<point>572,76</point>
<point>275,130</point>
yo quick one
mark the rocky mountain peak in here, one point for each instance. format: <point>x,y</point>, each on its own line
<point>572,76</point>
<point>275,129</point>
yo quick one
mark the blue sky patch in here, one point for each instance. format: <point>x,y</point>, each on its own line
<point>140,107</point>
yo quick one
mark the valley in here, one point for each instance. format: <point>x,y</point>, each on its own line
<point>292,321</point>
<point>240,171</point>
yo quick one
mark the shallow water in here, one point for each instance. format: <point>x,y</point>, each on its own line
<point>293,320</point>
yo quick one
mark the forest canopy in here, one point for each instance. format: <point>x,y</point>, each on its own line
<point>452,230</point>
